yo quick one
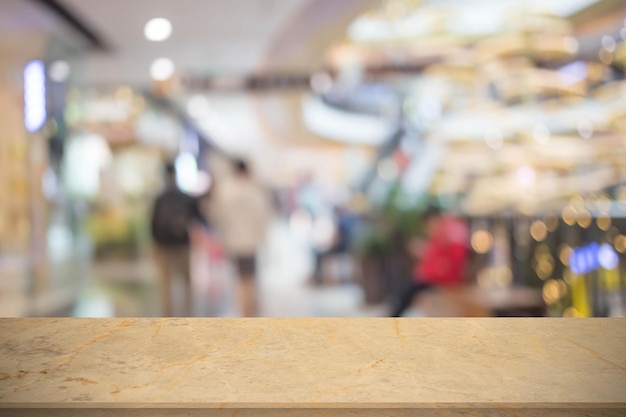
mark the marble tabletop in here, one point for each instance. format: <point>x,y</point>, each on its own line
<point>313,363</point>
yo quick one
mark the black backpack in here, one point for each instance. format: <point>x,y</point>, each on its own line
<point>173,213</point>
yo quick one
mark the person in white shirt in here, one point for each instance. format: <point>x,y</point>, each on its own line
<point>242,212</point>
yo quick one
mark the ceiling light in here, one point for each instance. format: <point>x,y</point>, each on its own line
<point>158,29</point>
<point>482,241</point>
<point>162,69</point>
<point>59,71</point>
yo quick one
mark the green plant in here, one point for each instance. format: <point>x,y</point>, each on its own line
<point>374,243</point>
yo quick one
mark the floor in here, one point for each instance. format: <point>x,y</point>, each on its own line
<point>130,289</point>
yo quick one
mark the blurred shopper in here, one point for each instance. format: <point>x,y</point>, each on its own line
<point>172,217</point>
<point>340,243</point>
<point>442,258</point>
<point>242,211</point>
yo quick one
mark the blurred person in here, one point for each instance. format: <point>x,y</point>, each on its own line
<point>242,210</point>
<point>173,214</point>
<point>340,244</point>
<point>442,258</point>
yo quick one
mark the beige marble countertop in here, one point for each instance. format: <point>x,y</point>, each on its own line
<point>313,363</point>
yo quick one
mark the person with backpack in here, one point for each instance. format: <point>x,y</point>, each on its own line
<point>173,214</point>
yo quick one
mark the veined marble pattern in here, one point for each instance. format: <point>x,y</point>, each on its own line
<point>317,367</point>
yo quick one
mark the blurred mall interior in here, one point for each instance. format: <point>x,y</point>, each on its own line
<point>352,114</point>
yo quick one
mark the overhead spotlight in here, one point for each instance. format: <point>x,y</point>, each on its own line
<point>157,29</point>
<point>162,69</point>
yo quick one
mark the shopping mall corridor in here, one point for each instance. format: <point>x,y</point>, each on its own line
<point>130,289</point>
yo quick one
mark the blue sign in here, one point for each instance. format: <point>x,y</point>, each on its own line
<point>593,256</point>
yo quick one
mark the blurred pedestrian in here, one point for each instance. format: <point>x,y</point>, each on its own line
<point>241,211</point>
<point>442,258</point>
<point>173,214</point>
<point>340,244</point>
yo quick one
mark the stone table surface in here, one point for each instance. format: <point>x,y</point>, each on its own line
<point>409,363</point>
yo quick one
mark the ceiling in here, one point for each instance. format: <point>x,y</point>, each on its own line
<point>24,28</point>
<point>214,37</point>
<point>19,16</point>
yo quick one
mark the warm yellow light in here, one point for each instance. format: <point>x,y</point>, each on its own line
<point>538,230</point>
<point>603,222</point>
<point>571,312</point>
<point>545,267</point>
<point>551,291</point>
<point>584,219</point>
<point>482,241</point>
<point>569,215</point>
<point>564,254</point>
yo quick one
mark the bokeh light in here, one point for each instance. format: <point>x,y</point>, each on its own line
<point>603,222</point>
<point>162,69</point>
<point>620,243</point>
<point>538,230</point>
<point>607,258</point>
<point>565,251</point>
<point>158,29</point>
<point>569,215</point>
<point>481,241</point>
<point>551,291</point>
<point>583,218</point>
<point>545,267</point>
<point>608,43</point>
<point>59,71</point>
